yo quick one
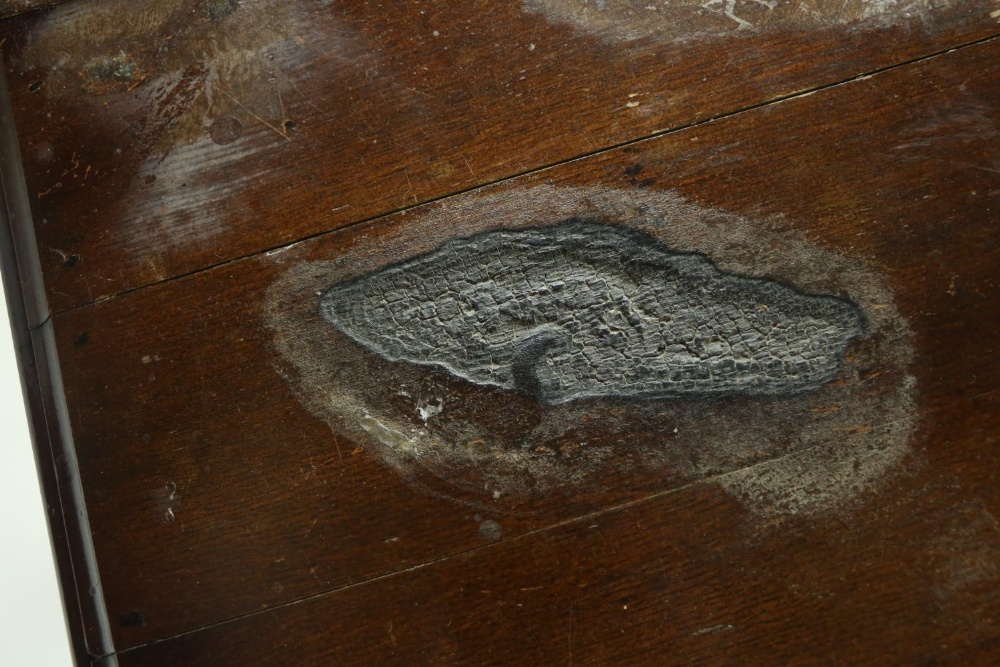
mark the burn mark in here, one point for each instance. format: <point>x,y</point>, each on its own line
<point>584,310</point>
<point>503,451</point>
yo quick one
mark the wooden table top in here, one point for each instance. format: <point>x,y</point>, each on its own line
<point>527,332</point>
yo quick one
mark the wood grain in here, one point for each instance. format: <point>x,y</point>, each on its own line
<point>163,137</point>
<point>686,578</point>
<point>214,491</point>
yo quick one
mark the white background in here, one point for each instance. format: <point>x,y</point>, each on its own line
<point>32,624</point>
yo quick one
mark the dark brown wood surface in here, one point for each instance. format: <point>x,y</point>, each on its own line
<point>686,578</point>
<point>213,492</point>
<point>260,489</point>
<point>163,137</point>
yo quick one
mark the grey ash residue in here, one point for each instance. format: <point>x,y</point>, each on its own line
<point>583,309</point>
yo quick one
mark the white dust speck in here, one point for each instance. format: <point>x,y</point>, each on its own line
<point>427,410</point>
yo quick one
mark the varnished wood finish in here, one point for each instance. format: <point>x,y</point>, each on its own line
<point>682,579</point>
<point>178,406</point>
<point>331,113</point>
<point>236,519</point>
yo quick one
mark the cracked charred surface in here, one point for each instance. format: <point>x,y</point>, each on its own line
<point>584,310</point>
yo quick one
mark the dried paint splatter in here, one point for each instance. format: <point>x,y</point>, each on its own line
<point>502,449</point>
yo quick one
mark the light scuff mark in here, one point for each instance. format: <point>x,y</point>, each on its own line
<point>185,92</point>
<point>177,67</point>
<point>682,20</point>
